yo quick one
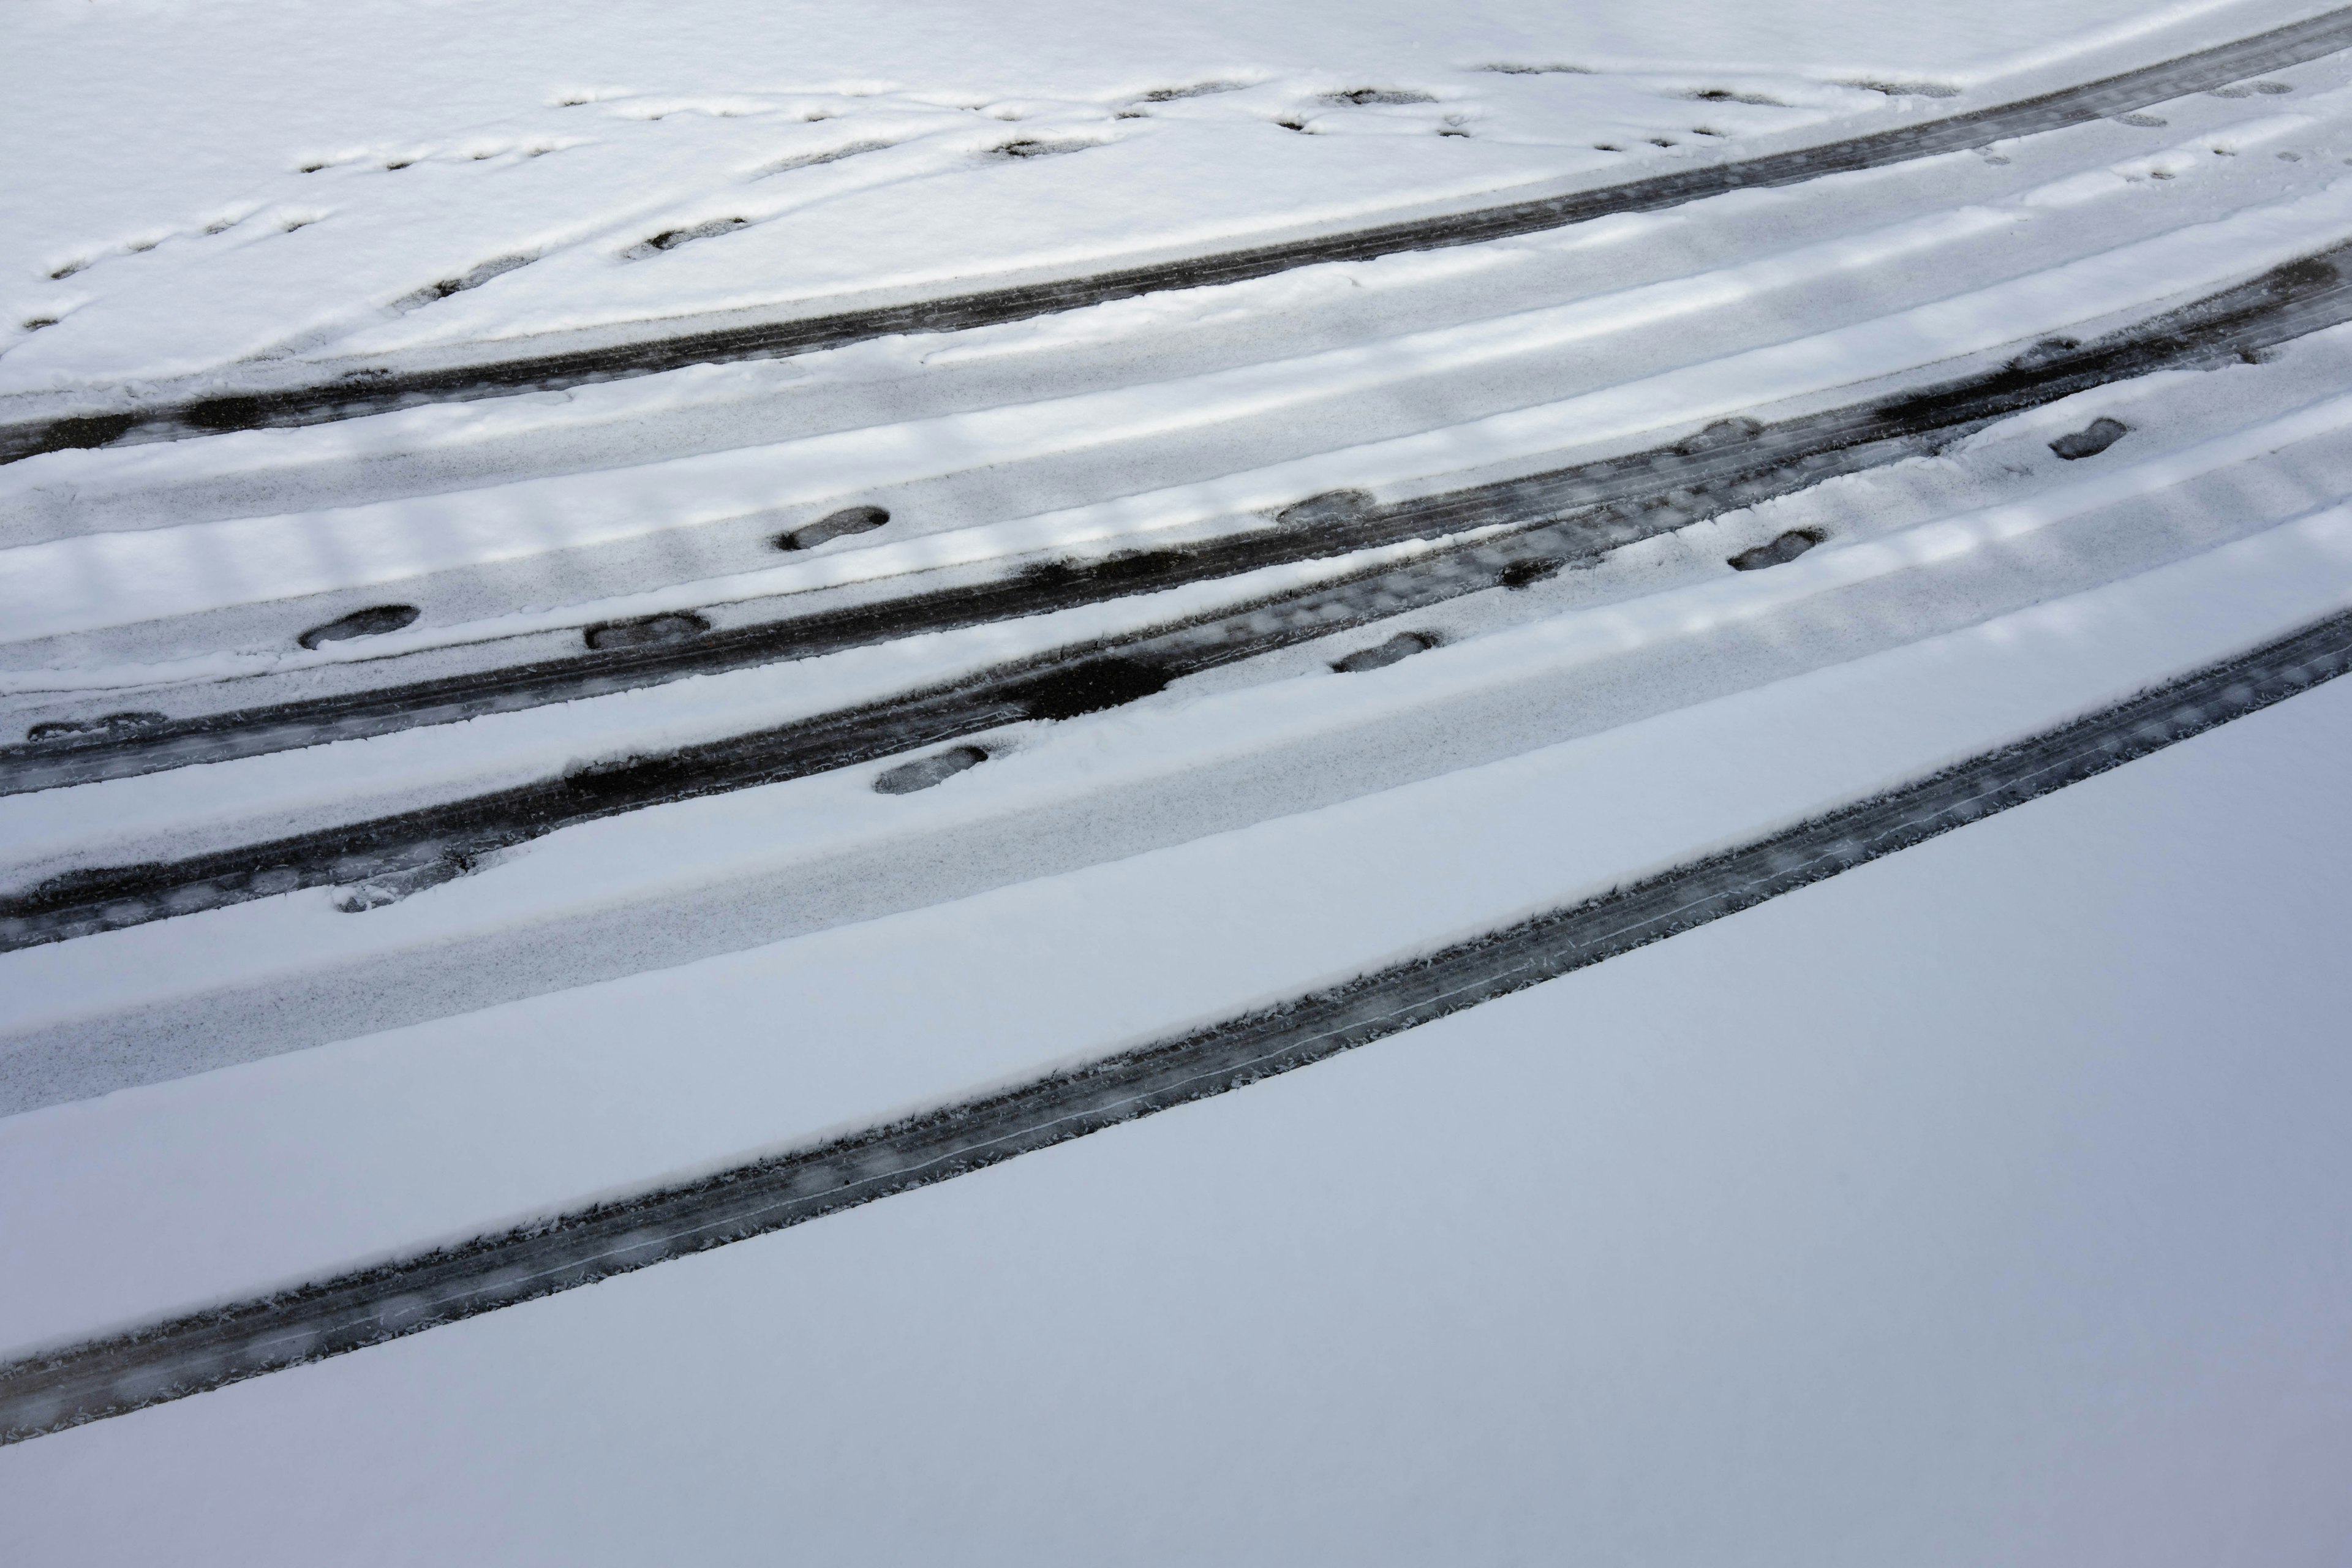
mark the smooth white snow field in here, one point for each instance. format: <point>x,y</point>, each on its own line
<point>1989,1204</point>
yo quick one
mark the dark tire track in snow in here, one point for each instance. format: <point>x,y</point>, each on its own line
<point>1729,465</point>
<point>228,1343</point>
<point>380,389</point>
<point>1573,514</point>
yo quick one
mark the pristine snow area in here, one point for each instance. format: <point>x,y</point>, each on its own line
<point>1988,1203</point>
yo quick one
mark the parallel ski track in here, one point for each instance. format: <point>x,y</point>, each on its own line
<point>228,1343</point>
<point>1576,514</point>
<point>1702,479</point>
<point>377,390</point>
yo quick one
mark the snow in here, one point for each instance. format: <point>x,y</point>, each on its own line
<point>567,137</point>
<point>978,484</point>
<point>91,581</point>
<point>1985,1204</point>
<point>1157,337</point>
<point>1652,628</point>
<point>620,1085</point>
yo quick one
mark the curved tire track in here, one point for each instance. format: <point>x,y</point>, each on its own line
<point>231,1343</point>
<point>1618,501</point>
<point>1562,518</point>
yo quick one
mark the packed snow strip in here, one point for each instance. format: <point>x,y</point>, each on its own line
<point>1932,1137</point>
<point>170,815</point>
<point>674,882</point>
<point>80,490</point>
<point>222,1184</point>
<point>109,580</point>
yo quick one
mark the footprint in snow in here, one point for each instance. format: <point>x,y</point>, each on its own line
<point>2091,441</point>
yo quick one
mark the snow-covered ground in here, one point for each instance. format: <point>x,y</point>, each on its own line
<point>1979,1204</point>
<point>313,170</point>
<point>1985,1204</point>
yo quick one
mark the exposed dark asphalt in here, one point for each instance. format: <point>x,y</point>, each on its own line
<point>1561,518</point>
<point>228,1343</point>
<point>378,390</point>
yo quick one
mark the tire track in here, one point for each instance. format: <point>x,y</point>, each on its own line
<point>1606,504</point>
<point>228,1343</point>
<point>387,858</point>
<point>381,389</point>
